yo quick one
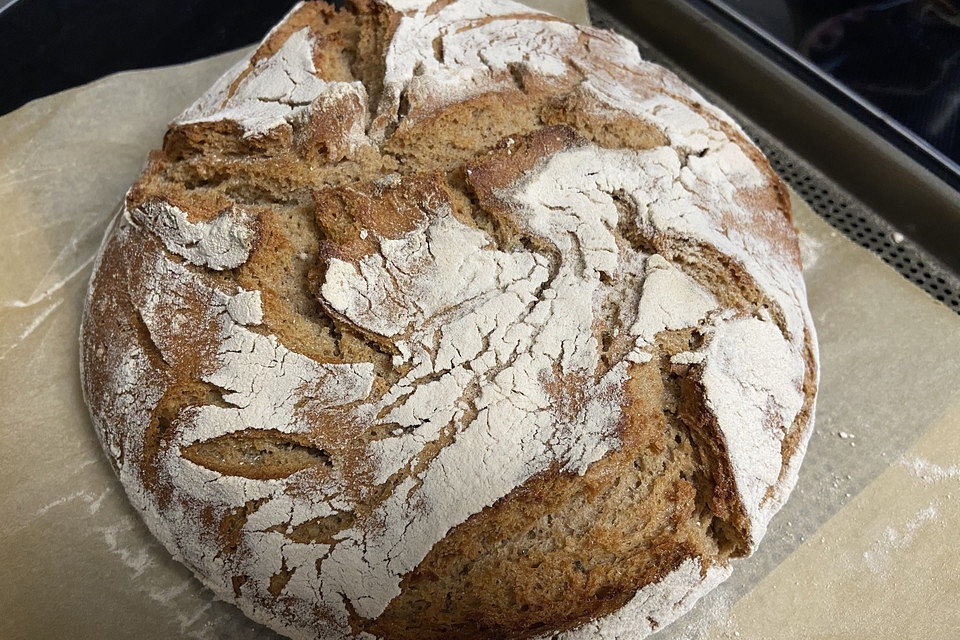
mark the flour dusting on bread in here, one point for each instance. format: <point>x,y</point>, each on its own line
<point>453,319</point>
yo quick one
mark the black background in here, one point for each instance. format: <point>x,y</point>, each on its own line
<point>50,45</point>
<point>901,55</point>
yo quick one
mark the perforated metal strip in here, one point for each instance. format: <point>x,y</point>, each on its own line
<point>842,211</point>
<point>862,225</point>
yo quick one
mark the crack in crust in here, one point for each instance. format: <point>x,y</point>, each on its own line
<point>453,320</point>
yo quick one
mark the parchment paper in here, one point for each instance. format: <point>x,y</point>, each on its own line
<point>865,548</point>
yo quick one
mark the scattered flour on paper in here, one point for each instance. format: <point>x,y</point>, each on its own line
<point>928,471</point>
<point>810,249</point>
<point>93,501</point>
<point>136,557</point>
<point>893,539</point>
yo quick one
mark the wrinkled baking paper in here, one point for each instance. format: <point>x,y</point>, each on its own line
<point>863,549</point>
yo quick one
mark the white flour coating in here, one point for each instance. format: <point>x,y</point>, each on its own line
<point>654,606</point>
<point>482,330</point>
<point>498,44</point>
<point>410,55</point>
<point>670,300</point>
<point>687,198</point>
<point>222,243</point>
<point>753,381</point>
<point>752,375</point>
<point>268,387</point>
<point>705,162</point>
<point>408,6</point>
<point>442,285</point>
<point>415,278</point>
<point>276,91</point>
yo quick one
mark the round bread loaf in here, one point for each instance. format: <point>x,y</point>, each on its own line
<point>453,320</point>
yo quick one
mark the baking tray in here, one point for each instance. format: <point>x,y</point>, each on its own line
<point>864,186</point>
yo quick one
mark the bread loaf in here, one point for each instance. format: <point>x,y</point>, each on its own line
<point>452,320</point>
